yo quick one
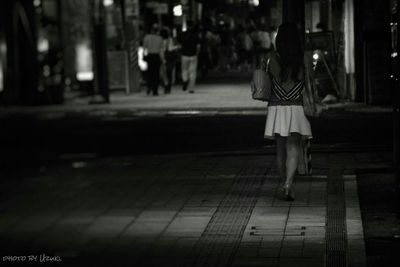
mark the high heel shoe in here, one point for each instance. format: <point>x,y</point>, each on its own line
<point>288,193</point>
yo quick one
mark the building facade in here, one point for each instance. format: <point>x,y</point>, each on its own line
<point>48,47</point>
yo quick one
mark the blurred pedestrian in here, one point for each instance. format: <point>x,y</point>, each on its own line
<point>227,53</point>
<point>190,48</point>
<point>205,54</point>
<point>245,49</point>
<point>286,120</point>
<point>171,55</point>
<point>214,42</point>
<point>153,46</point>
<point>262,41</point>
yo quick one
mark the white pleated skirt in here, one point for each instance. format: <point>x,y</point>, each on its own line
<point>284,120</point>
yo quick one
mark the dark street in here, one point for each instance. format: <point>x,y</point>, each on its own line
<point>126,132</point>
<point>120,187</point>
<point>223,133</point>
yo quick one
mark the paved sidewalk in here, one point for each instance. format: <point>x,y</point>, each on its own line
<point>206,97</point>
<point>209,99</point>
<point>185,210</point>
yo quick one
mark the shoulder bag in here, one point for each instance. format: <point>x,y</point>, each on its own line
<point>261,84</point>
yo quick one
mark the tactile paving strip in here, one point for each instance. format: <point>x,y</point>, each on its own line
<point>336,235</point>
<point>222,236</point>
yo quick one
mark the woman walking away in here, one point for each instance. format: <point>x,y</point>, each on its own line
<point>286,120</point>
<point>153,45</point>
<point>171,58</point>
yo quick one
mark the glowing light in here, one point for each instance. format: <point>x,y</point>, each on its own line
<point>178,11</point>
<point>85,76</point>
<point>43,45</point>
<point>315,56</point>
<point>37,3</point>
<point>394,54</point>
<point>184,112</point>
<point>142,64</point>
<point>254,2</point>
<point>1,77</point>
<point>108,2</point>
<point>3,51</point>
<point>79,164</point>
<point>184,25</point>
<point>84,62</point>
<point>46,71</point>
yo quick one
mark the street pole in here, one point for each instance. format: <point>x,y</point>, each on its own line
<point>395,82</point>
<point>132,38</point>
<point>100,54</point>
<point>23,55</point>
<point>3,49</point>
<point>184,4</point>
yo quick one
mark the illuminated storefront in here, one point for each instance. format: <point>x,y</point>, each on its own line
<point>51,43</point>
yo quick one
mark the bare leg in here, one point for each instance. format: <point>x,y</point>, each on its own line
<point>292,160</point>
<point>281,156</point>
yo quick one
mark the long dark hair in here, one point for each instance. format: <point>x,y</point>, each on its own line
<point>290,49</point>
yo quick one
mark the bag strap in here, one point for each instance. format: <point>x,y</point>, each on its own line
<point>265,65</point>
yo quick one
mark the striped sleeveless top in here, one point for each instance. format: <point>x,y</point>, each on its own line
<point>282,97</point>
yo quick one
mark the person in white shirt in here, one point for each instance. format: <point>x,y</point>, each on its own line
<point>154,49</point>
<point>262,43</point>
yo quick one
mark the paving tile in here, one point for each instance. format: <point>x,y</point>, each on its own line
<point>254,262</point>
<point>146,230</point>
<point>61,238</point>
<point>314,247</point>
<point>355,233</point>
<point>301,262</point>
<point>266,200</point>
<point>271,241</point>
<point>356,252</point>
<point>185,243</point>
<point>189,224</point>
<point>268,216</point>
<point>269,252</point>
<point>109,226</point>
<point>251,252</point>
<point>156,215</point>
<point>160,218</point>
<point>292,246</point>
<point>36,223</point>
<point>163,247</point>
